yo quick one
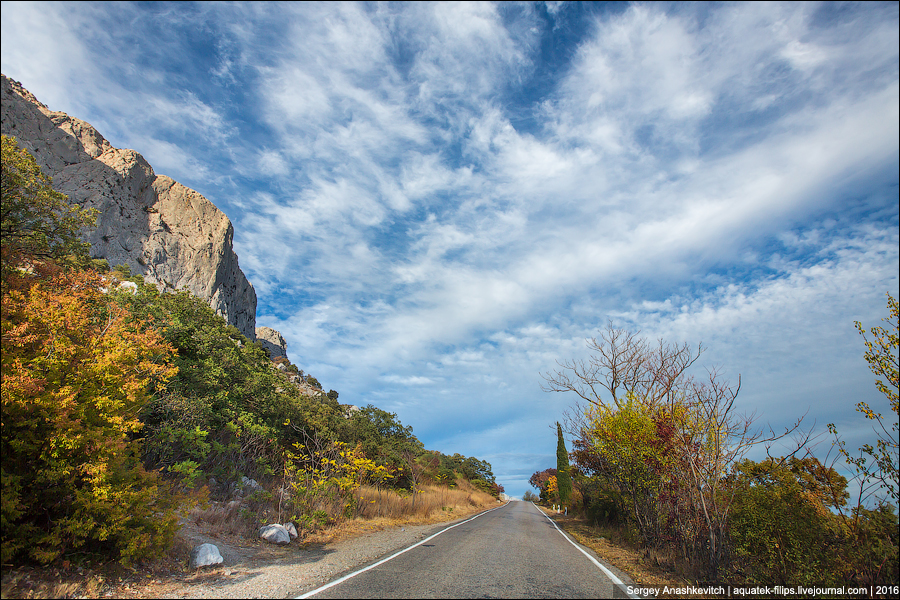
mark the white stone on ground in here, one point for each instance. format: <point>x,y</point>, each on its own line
<point>275,534</point>
<point>206,555</point>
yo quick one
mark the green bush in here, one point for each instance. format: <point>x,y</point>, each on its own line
<point>871,556</point>
<point>227,410</point>
<point>781,528</point>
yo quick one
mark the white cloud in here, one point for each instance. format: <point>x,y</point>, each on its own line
<point>691,174</point>
<point>413,380</point>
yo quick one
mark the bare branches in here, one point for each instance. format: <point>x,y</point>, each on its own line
<point>662,437</point>
<point>621,364</point>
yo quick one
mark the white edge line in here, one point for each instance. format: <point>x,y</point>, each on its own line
<point>610,574</point>
<point>393,556</point>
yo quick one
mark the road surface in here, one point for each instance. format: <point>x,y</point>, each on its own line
<point>513,551</point>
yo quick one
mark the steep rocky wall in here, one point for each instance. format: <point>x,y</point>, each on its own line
<point>158,227</point>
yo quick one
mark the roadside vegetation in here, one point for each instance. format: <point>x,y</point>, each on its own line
<point>659,465</point>
<point>125,408</point>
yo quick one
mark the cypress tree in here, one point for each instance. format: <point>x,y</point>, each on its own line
<point>563,480</point>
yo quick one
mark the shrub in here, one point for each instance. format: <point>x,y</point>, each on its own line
<point>781,528</point>
<point>37,221</point>
<point>227,410</point>
<point>76,371</point>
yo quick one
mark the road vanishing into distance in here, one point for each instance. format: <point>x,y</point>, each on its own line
<point>513,551</point>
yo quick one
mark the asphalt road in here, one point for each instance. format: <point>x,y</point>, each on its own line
<point>514,551</point>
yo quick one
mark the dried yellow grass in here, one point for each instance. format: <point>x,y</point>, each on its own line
<point>430,502</point>
<point>221,518</point>
<point>375,509</point>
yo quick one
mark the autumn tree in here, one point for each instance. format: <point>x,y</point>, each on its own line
<point>876,466</point>
<point>530,496</point>
<point>658,440</point>
<point>869,554</point>
<point>540,480</point>
<point>75,373</point>
<point>623,364</point>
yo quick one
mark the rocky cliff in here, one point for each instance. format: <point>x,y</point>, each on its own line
<point>272,341</point>
<point>167,232</point>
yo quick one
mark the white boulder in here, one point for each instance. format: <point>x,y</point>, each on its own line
<point>206,555</point>
<point>275,534</point>
<point>292,531</point>
<point>129,286</point>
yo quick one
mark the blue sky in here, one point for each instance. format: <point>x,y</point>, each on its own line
<point>435,202</point>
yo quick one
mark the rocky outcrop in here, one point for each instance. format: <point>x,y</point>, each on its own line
<point>161,229</point>
<point>272,341</point>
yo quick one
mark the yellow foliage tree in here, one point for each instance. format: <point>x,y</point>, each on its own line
<point>553,488</point>
<point>322,476</point>
<point>75,372</point>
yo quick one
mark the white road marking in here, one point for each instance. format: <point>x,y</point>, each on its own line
<point>392,556</point>
<point>610,574</point>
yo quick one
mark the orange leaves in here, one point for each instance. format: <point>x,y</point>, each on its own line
<point>76,370</point>
<point>72,360</point>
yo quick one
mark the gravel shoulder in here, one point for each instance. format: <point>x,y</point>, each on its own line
<point>265,571</point>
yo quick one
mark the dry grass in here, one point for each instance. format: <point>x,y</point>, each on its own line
<point>426,504</point>
<point>376,509</point>
<point>381,509</point>
<point>222,518</point>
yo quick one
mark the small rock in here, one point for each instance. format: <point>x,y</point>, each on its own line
<point>292,531</point>
<point>250,483</point>
<point>129,286</point>
<point>205,555</point>
<point>275,534</point>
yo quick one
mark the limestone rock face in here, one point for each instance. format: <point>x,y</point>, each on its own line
<point>161,229</point>
<point>272,341</point>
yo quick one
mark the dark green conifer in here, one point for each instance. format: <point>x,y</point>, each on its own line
<point>563,480</point>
